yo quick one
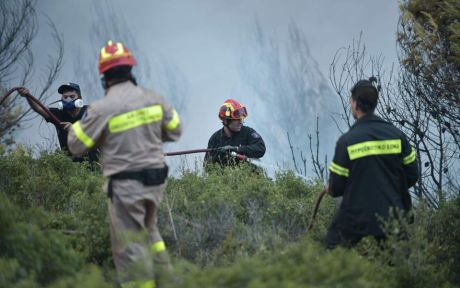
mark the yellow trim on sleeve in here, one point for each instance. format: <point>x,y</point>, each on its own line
<point>410,158</point>
<point>81,135</point>
<point>175,121</point>
<point>339,170</point>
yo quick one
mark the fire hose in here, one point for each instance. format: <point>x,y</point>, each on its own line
<point>57,122</point>
<point>36,101</point>
<point>188,152</point>
<point>240,157</point>
<point>315,210</point>
<point>245,158</point>
<point>184,152</point>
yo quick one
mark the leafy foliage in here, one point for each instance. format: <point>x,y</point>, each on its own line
<point>239,209</point>
<point>226,228</point>
<point>429,40</point>
<point>304,264</point>
<point>53,215</point>
<point>443,232</point>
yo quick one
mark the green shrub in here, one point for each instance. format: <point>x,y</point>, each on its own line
<point>90,276</point>
<point>13,275</point>
<point>48,181</point>
<point>58,215</point>
<point>70,193</point>
<point>410,251</point>
<point>444,233</point>
<point>235,207</point>
<point>42,253</point>
<point>305,264</point>
<point>224,228</point>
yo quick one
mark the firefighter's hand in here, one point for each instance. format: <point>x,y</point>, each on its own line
<point>228,148</point>
<point>328,190</point>
<point>23,92</point>
<point>66,125</point>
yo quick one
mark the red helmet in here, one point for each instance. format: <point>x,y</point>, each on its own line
<point>114,54</point>
<point>232,110</point>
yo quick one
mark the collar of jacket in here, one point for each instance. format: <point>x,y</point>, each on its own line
<point>118,85</point>
<point>371,117</point>
<point>222,131</point>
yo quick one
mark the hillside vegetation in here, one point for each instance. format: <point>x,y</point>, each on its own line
<point>226,228</point>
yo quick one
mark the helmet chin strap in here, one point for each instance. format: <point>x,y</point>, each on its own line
<point>226,123</point>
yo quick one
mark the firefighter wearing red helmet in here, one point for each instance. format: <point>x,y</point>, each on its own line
<point>129,125</point>
<point>234,136</point>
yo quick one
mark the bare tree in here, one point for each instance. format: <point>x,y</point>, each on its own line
<point>290,92</point>
<point>108,24</point>
<point>172,83</point>
<point>316,165</point>
<point>348,66</point>
<point>428,38</point>
<point>19,28</point>
<point>167,79</point>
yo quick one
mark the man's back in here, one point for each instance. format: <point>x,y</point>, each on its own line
<point>374,158</point>
<point>130,124</point>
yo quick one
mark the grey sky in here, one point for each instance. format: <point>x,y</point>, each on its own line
<point>205,39</point>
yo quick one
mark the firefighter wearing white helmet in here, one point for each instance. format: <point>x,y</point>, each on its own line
<point>129,125</point>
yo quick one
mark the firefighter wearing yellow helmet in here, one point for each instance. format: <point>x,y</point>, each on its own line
<point>129,125</point>
<point>233,137</point>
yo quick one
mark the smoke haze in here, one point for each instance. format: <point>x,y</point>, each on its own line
<point>199,52</point>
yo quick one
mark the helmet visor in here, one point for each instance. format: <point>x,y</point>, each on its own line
<point>239,113</point>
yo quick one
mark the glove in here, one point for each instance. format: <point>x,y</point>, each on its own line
<point>66,125</point>
<point>227,148</point>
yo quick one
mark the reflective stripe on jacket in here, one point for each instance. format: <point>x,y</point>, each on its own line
<point>129,124</point>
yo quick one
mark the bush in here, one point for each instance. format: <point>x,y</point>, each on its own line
<point>89,276</point>
<point>70,193</point>
<point>234,207</point>
<point>53,215</point>
<point>445,237</point>
<point>411,251</point>
<point>41,254</point>
<point>304,264</point>
<point>13,275</point>
<point>225,228</point>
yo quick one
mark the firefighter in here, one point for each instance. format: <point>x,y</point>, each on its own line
<point>373,168</point>
<point>129,125</point>
<point>70,109</point>
<point>233,137</point>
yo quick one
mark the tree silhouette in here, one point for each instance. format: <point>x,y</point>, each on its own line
<point>19,28</point>
<point>289,92</point>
